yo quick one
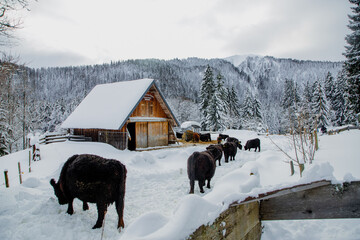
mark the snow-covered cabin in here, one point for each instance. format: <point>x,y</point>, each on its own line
<point>130,114</point>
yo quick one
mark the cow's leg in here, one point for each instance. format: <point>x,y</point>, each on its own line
<point>120,210</point>
<point>208,183</point>
<point>192,183</point>
<point>101,208</point>
<point>70,209</point>
<point>85,206</point>
<point>201,185</point>
<point>220,162</point>
<point>226,158</point>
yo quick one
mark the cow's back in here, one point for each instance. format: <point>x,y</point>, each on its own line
<point>92,178</point>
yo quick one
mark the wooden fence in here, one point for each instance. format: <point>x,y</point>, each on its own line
<point>243,220</point>
<point>56,138</point>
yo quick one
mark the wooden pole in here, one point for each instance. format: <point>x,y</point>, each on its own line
<point>20,177</point>
<point>292,168</point>
<point>316,141</point>
<point>29,161</point>
<point>6,178</point>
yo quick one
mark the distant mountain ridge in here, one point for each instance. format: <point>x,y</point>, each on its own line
<point>179,79</point>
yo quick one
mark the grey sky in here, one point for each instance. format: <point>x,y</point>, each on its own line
<point>79,32</point>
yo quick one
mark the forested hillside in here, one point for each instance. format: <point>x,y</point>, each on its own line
<point>52,93</point>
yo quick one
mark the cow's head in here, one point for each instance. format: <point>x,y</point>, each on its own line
<point>59,192</point>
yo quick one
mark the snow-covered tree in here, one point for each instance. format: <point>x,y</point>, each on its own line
<point>232,119</point>
<point>319,105</point>
<point>339,100</point>
<point>206,94</point>
<point>352,63</point>
<point>216,113</point>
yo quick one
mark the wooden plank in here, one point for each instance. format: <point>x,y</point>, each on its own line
<point>141,134</point>
<point>322,202</point>
<point>239,222</point>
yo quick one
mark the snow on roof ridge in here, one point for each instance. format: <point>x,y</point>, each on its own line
<point>108,105</point>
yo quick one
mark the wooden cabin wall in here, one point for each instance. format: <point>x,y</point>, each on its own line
<point>151,134</point>
<point>116,138</point>
<point>149,108</point>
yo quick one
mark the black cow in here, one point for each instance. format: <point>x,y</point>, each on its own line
<point>216,151</point>
<point>253,143</point>
<point>93,179</point>
<point>205,137</point>
<point>200,166</point>
<point>221,137</point>
<point>230,150</point>
<point>235,140</point>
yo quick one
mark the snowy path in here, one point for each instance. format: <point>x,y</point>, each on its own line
<point>156,182</point>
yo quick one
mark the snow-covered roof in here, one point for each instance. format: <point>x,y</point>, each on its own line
<point>189,124</point>
<point>108,106</point>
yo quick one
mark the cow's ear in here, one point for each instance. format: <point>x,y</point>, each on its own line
<point>52,182</point>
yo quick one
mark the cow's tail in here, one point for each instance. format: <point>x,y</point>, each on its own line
<point>191,165</point>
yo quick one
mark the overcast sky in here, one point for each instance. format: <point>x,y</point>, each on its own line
<point>82,32</point>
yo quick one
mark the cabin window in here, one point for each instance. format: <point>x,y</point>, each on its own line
<point>151,109</point>
<point>143,109</point>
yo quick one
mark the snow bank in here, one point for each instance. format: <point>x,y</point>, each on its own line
<point>157,203</point>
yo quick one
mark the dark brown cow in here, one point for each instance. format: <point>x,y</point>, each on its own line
<point>93,179</point>
<point>253,143</point>
<point>200,166</point>
<point>216,151</point>
<point>230,150</point>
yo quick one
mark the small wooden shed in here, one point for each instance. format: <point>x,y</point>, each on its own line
<point>130,114</point>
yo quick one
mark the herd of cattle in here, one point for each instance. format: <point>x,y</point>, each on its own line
<point>94,179</point>
<point>201,165</point>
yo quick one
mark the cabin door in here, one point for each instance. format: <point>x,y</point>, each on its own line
<point>158,134</point>
<point>132,137</point>
<point>141,134</point>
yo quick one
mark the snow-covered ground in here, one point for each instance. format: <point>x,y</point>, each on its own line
<point>157,203</point>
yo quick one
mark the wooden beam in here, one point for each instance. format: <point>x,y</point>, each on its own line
<point>324,201</point>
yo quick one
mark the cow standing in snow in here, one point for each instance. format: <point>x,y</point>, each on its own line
<point>253,143</point>
<point>230,150</point>
<point>93,179</point>
<point>200,166</point>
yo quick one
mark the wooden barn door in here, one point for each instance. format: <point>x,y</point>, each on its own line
<point>141,135</point>
<point>158,134</point>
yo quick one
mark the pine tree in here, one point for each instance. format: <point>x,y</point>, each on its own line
<point>206,93</point>
<point>329,89</point>
<point>216,107</point>
<point>247,112</point>
<point>319,105</point>
<point>3,132</point>
<point>257,110</point>
<point>338,100</point>
<point>232,111</point>
<point>352,64</point>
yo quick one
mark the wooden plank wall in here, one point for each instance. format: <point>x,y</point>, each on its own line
<point>317,200</point>
<point>239,222</point>
<point>323,202</point>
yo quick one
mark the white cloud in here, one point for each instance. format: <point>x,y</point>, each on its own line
<point>100,31</point>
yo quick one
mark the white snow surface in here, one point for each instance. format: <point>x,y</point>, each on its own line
<point>157,203</point>
<point>108,105</point>
<point>189,124</point>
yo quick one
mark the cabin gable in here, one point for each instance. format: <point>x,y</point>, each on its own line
<point>148,124</point>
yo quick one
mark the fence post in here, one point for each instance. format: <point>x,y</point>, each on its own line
<point>6,178</point>
<point>316,141</point>
<point>292,168</point>
<point>20,178</point>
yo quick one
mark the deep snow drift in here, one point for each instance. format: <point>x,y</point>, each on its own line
<point>157,203</point>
